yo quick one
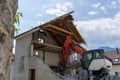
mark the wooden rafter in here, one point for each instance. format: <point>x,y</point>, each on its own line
<point>70,29</point>
<point>59,29</point>
<point>54,31</point>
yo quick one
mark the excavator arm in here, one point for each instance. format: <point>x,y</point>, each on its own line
<point>69,44</point>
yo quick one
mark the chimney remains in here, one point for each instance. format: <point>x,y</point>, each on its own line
<point>117,51</point>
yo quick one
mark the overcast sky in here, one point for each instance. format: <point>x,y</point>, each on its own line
<point>98,21</point>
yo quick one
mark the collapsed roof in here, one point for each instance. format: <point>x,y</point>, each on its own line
<point>58,29</point>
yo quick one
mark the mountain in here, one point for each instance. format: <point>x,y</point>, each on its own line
<point>106,48</point>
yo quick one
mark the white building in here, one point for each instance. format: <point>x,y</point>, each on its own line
<point>114,57</point>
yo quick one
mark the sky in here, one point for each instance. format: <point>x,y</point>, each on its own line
<point>98,21</point>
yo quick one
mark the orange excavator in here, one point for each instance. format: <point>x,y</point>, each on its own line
<point>70,44</point>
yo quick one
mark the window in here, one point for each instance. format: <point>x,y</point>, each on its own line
<point>116,59</point>
<point>87,56</point>
<point>41,30</point>
<point>74,56</point>
<point>97,55</point>
<point>116,73</point>
<point>21,67</point>
<point>36,53</point>
<point>40,40</point>
<point>87,59</point>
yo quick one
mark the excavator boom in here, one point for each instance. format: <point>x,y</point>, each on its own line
<point>69,44</point>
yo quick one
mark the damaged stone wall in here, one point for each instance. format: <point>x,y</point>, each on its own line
<point>7,12</point>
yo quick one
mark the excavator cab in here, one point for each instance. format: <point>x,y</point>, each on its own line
<point>91,55</point>
<point>97,65</point>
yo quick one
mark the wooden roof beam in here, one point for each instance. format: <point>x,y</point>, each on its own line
<point>59,29</point>
<point>71,30</point>
<point>54,31</point>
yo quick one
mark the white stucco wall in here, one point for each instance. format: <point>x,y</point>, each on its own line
<point>115,68</point>
<point>22,49</point>
<point>51,58</point>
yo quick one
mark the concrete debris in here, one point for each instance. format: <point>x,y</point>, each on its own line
<point>82,74</point>
<point>48,74</point>
<point>59,77</point>
<point>70,78</point>
<point>110,77</point>
<point>66,77</point>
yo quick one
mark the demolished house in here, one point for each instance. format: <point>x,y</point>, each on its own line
<point>38,51</point>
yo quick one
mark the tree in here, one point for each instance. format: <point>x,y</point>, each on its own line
<point>8,10</point>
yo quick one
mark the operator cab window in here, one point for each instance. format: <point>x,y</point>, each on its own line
<point>87,56</point>
<point>97,55</point>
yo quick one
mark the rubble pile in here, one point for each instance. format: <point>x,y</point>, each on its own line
<point>82,77</point>
<point>48,74</point>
